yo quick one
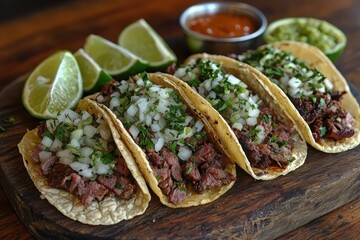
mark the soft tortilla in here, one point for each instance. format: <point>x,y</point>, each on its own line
<point>315,58</point>
<point>251,77</point>
<point>207,114</point>
<point>110,210</point>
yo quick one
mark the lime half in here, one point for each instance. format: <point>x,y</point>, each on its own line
<point>54,86</point>
<point>316,32</point>
<point>141,39</point>
<point>113,59</point>
<point>94,78</point>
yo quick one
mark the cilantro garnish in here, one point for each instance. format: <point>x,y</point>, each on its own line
<point>49,135</point>
<point>199,135</point>
<point>322,131</point>
<point>119,186</point>
<point>253,132</point>
<point>107,158</point>
<point>9,119</point>
<point>2,129</point>
<point>173,147</point>
<point>266,117</point>
<point>188,170</point>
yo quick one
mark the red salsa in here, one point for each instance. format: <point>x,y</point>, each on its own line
<point>223,25</point>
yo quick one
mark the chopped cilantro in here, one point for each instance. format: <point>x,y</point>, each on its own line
<point>292,159</point>
<point>173,147</point>
<point>2,129</point>
<point>107,158</point>
<point>253,132</point>
<point>182,188</point>
<point>188,170</point>
<point>283,144</point>
<point>322,131</point>
<point>199,135</point>
<point>313,98</point>
<point>9,119</point>
<point>49,135</point>
<point>158,177</point>
<point>119,186</point>
<point>321,102</point>
<point>61,133</point>
<point>266,117</point>
<point>194,82</point>
<point>273,139</point>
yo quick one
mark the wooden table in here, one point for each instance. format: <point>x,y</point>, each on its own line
<point>28,34</point>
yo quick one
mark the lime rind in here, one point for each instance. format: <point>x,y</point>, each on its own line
<point>143,41</point>
<point>112,58</point>
<point>329,30</point>
<point>55,85</point>
<point>94,78</point>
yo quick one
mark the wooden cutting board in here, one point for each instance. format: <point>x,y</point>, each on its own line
<point>250,210</point>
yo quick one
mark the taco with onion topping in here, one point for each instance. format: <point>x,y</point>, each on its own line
<point>80,164</point>
<point>261,129</point>
<point>313,92</point>
<point>176,147</point>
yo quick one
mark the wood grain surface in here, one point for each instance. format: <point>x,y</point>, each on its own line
<point>313,197</point>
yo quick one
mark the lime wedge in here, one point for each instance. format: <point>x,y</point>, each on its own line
<point>54,86</point>
<point>113,59</point>
<point>141,39</point>
<point>94,78</point>
<point>316,32</point>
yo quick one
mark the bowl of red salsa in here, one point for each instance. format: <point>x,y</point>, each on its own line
<point>223,27</point>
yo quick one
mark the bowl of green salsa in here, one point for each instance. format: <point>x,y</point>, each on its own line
<point>316,32</point>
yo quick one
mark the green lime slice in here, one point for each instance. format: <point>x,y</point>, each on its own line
<point>94,78</point>
<point>113,59</point>
<point>316,32</point>
<point>141,39</point>
<point>55,85</point>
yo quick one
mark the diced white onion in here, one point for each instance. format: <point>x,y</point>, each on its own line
<point>43,155</point>
<point>294,82</point>
<point>114,102</point>
<point>86,151</point>
<point>86,173</point>
<point>51,125</point>
<point>184,153</point>
<point>140,82</point>
<point>77,134</point>
<point>251,121</point>
<point>232,79</point>
<point>68,115</point>
<point>132,110</point>
<point>78,166</point>
<point>254,112</point>
<point>134,131</point>
<point>56,145</point>
<point>89,131</point>
<point>159,144</point>
<point>100,98</point>
<point>46,141</point>
<point>85,115</point>
<point>180,72</point>
<point>85,160</point>
<point>199,125</point>
<point>329,85</point>
<point>74,143</point>
<point>237,125</point>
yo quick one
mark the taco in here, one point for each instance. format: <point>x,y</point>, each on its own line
<point>313,91</point>
<point>80,164</point>
<point>174,144</point>
<point>261,129</point>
